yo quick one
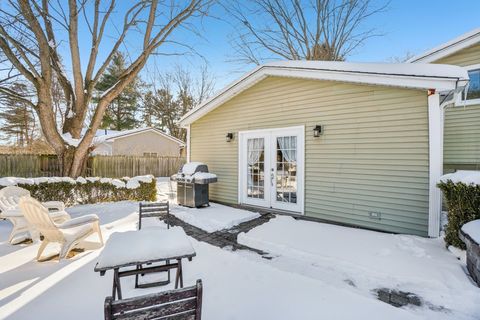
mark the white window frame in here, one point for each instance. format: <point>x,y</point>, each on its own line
<point>460,102</point>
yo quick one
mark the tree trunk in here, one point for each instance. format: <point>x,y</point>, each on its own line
<point>72,162</point>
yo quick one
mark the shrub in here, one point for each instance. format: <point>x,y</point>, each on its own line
<point>87,190</point>
<point>463,202</point>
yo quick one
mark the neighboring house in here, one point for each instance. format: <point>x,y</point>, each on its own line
<point>462,120</point>
<point>137,142</point>
<point>375,163</point>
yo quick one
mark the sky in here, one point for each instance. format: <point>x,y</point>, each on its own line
<point>406,26</point>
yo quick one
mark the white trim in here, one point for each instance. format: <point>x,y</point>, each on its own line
<point>435,132</point>
<point>460,102</point>
<point>301,158</point>
<point>438,77</point>
<point>448,48</point>
<point>188,144</point>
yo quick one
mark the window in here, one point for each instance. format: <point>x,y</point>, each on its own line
<point>150,154</point>
<point>473,92</point>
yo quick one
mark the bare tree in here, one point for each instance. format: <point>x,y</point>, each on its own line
<point>32,31</point>
<point>300,30</point>
<point>174,94</point>
<point>401,59</point>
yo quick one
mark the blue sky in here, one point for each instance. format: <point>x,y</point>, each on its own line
<point>407,26</point>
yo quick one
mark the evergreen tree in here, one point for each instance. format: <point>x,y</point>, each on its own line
<point>17,117</point>
<point>120,114</point>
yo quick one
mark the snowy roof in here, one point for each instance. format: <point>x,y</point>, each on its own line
<point>461,42</point>
<point>113,134</point>
<point>418,76</point>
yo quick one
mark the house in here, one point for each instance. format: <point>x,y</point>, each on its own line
<point>352,143</point>
<point>137,142</point>
<point>462,119</point>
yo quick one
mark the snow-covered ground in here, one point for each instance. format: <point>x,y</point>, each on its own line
<point>318,272</point>
<point>370,260</point>
<point>216,218</point>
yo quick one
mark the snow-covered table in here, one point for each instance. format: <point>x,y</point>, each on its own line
<point>146,246</point>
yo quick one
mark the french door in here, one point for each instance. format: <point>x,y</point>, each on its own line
<point>272,167</point>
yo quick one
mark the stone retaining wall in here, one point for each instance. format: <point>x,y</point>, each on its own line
<point>473,256</point>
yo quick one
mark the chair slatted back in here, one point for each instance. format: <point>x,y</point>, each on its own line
<point>37,215</point>
<point>181,304</point>
<point>154,210</point>
<point>10,196</point>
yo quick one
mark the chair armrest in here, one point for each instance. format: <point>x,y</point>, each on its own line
<point>56,205</point>
<point>75,222</point>
<point>11,213</point>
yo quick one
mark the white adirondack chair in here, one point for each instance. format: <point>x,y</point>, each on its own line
<point>69,233</point>
<point>9,198</point>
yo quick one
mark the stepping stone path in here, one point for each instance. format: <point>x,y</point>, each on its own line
<point>226,238</point>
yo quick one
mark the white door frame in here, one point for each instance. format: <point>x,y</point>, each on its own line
<point>300,130</point>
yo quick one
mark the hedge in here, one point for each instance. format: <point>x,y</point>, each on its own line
<point>89,190</point>
<point>463,202</point>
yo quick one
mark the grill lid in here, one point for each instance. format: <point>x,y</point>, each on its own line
<point>194,172</point>
<point>193,167</point>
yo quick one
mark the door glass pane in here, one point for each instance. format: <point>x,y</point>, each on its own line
<point>255,168</point>
<point>286,164</point>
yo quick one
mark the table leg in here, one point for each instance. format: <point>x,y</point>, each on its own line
<point>181,272</point>
<point>116,280</point>
<point>168,262</point>
<point>179,276</point>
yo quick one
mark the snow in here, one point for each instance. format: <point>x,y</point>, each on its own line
<point>370,260</point>
<point>189,168</point>
<point>210,219</point>
<point>464,176</point>
<point>67,137</point>
<point>399,69</point>
<point>214,218</point>
<point>204,175</point>
<point>472,228</point>
<point>134,182</point>
<point>305,279</point>
<point>153,243</point>
<point>81,180</point>
<point>12,181</point>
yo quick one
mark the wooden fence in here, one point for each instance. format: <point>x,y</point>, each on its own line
<point>26,165</point>
<point>129,166</point>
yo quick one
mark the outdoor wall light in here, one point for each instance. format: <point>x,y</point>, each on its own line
<point>317,131</point>
<point>229,137</point>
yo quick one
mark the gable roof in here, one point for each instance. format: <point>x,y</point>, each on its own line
<point>419,76</point>
<point>113,134</point>
<point>126,133</point>
<point>461,42</point>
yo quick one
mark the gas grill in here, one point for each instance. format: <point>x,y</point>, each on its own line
<point>192,184</point>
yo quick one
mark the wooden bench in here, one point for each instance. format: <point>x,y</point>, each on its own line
<point>181,304</point>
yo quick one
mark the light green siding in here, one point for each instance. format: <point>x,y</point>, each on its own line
<point>462,124</point>
<point>373,156</point>
<point>465,57</point>
<point>462,138</point>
